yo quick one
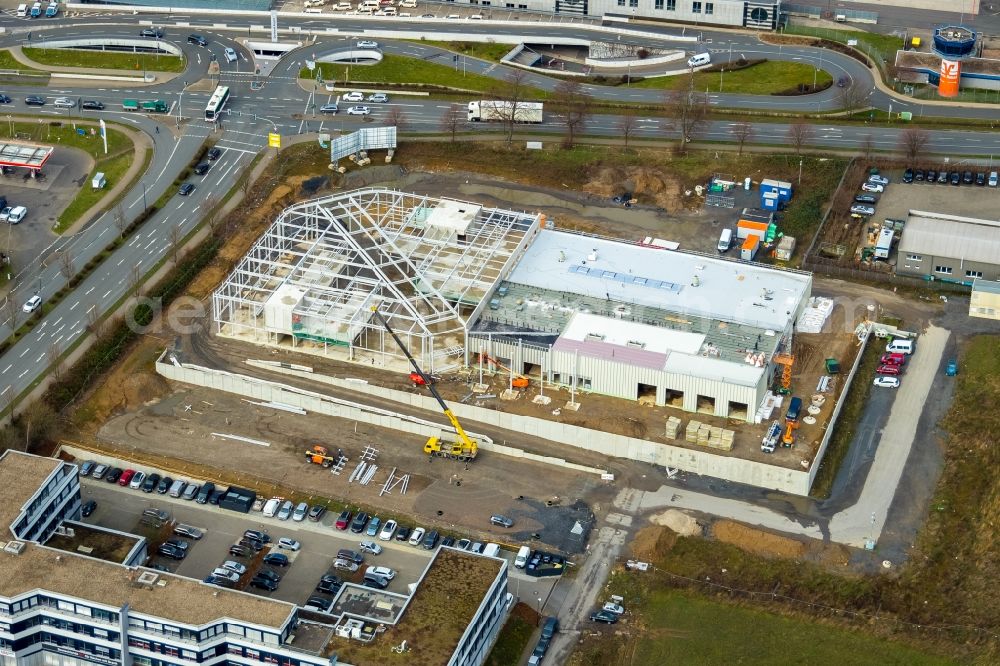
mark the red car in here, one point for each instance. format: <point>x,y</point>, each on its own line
<point>344,520</point>
<point>889,369</point>
<point>893,359</point>
<point>126,477</point>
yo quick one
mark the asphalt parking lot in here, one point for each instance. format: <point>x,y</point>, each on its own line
<point>120,508</point>
<point>963,200</point>
<point>66,171</point>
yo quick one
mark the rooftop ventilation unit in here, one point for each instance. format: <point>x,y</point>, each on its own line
<point>147,578</point>
<point>14,547</point>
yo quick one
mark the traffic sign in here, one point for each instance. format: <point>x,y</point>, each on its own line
<point>273,140</point>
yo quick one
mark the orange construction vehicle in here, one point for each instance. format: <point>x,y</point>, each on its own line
<point>518,381</point>
<point>319,455</point>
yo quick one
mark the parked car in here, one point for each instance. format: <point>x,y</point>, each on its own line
<point>126,478</point>
<point>329,588</point>
<point>151,482</point>
<point>377,582</point>
<point>967,178</point>
<point>373,526</point>
<point>318,604</point>
<point>265,584</point>
<point>188,531</point>
<point>276,559</point>
<point>918,175</point>
<point>114,475</point>
<point>502,521</point>
<point>99,471</point>
<point>862,209</point>
<point>378,98</point>
<point>185,189</point>
<point>301,510</point>
<point>164,485</point>
<point>358,111</point>
<point>316,512</point>
<point>417,536</point>
<point>212,579</point>
<point>285,512</point>
<point>190,491</point>
<point>932,175</point>
<point>448,541</point>
<point>431,540</point>
<point>955,178</point>
<point>178,543</point>
<point>235,567</point>
<point>980,178</point>
<point>348,554</point>
<point>612,607</point>
<point>225,574</point>
<point>353,96</point>
<point>270,574</point>
<point>403,533</point>
<point>34,100</point>
<point>345,565</point>
<point>359,522</point>
<point>343,520</point>
<point>881,180</point>
<point>893,359</point>
<point>240,550</point>
<point>994,179</point>
<point>367,44</point>
<point>174,553</point>
<point>329,108</point>
<point>388,530</point>
<point>866,199</point>
<point>16,216</point>
<point>88,508</point>
<point>384,572</point>
<point>604,616</point>
<point>873,187</point>
<point>908,176</point>
<point>889,369</point>
<point>329,580</point>
<point>86,467</point>
<point>252,544</point>
<point>285,543</point>
<point>370,547</point>
<point>886,382</point>
<point>258,535</point>
<point>463,544</point>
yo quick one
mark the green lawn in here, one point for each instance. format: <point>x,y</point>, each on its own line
<point>763,79</point>
<point>482,50</point>
<point>887,45</point>
<point>7,61</point>
<point>61,133</point>
<point>399,69</point>
<point>114,169</point>
<point>511,642</point>
<point>682,629</point>
<point>137,62</point>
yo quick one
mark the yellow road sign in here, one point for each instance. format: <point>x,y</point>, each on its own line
<point>273,140</point>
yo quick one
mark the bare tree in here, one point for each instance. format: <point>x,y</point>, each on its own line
<point>742,132</point>
<point>868,147</point>
<point>176,240</point>
<point>576,105</point>
<point>12,307</point>
<point>852,97</point>
<point>627,126</point>
<point>121,222</point>
<point>135,280</point>
<point>39,422</point>
<point>913,141</point>
<point>688,111</point>
<point>453,120</point>
<point>512,94</point>
<point>397,119</point>
<point>66,266</point>
<point>799,134</point>
<point>9,396</point>
<point>210,205</point>
<point>55,363</point>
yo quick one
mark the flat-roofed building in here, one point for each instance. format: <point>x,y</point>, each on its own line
<point>950,248</point>
<point>36,494</point>
<point>985,300</point>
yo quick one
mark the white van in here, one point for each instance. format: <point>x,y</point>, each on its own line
<point>272,506</point>
<point>369,4</point>
<point>409,4</point>
<point>725,240</point>
<point>523,553</point>
<point>22,10</point>
<point>491,550</point>
<point>699,60</point>
<point>900,347</point>
<point>342,7</point>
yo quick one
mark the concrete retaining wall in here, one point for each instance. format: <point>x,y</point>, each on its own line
<point>311,401</point>
<point>704,462</point>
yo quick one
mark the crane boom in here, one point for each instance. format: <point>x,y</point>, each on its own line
<point>466,448</point>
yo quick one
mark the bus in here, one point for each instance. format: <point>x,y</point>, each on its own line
<point>217,102</point>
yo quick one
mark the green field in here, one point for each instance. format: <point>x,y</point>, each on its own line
<point>402,70</point>
<point>137,62</point>
<point>868,42</point>
<point>689,630</point>
<point>7,61</point>
<point>114,169</point>
<point>481,50</point>
<point>763,79</point>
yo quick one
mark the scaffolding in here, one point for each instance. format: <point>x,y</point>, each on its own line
<point>311,281</point>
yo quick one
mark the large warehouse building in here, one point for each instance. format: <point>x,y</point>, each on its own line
<point>458,280</point>
<point>951,248</point>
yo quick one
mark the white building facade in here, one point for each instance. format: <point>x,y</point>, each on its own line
<point>759,15</point>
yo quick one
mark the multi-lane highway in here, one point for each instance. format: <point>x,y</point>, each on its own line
<point>283,105</point>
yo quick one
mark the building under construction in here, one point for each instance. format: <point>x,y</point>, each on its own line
<point>460,282</point>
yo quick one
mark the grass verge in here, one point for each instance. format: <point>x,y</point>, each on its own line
<point>514,637</point>
<point>136,62</point>
<point>483,51</point>
<point>847,422</point>
<point>62,133</point>
<point>411,72</point>
<point>114,169</point>
<point>884,45</point>
<point>766,78</point>
<point>9,62</point>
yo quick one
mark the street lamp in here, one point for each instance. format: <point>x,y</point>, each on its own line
<point>144,196</point>
<point>180,106</point>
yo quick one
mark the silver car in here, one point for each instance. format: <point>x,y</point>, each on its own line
<point>65,102</point>
<point>300,512</point>
<point>378,98</point>
<point>285,512</point>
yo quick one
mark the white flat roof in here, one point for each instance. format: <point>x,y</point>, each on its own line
<point>621,333</point>
<point>453,216</point>
<point>713,368</point>
<point>727,290</point>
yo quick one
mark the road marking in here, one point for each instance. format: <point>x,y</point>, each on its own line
<point>88,291</point>
<point>58,340</point>
<point>20,376</point>
<point>73,306</point>
<point>5,370</point>
<point>26,350</point>
<point>40,357</point>
<point>106,294</point>
<point>56,321</point>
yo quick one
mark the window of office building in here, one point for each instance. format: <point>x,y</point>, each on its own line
<point>696,8</point>
<point>658,4</point>
<point>671,5</point>
<point>973,274</point>
<point>944,270</point>
<point>709,8</point>
<point>914,257</point>
<point>633,3</point>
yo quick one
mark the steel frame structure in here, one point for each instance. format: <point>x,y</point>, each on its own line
<point>312,279</point>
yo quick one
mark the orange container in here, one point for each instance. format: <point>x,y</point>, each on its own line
<point>951,74</point>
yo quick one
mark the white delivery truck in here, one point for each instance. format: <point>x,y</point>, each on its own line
<point>523,553</point>
<point>498,111</point>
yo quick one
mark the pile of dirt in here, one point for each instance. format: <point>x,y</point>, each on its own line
<point>650,186</point>
<point>757,541</point>
<point>143,389</point>
<point>651,544</point>
<point>678,521</point>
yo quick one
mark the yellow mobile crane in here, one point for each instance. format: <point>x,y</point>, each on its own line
<point>465,449</point>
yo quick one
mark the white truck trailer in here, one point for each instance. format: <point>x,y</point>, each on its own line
<point>491,110</point>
